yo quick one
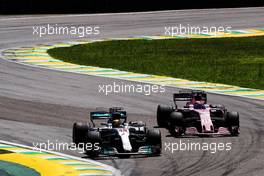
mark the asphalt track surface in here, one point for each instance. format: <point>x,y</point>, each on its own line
<point>37,105</point>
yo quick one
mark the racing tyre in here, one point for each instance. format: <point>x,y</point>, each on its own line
<point>94,138</point>
<point>154,138</point>
<point>163,113</point>
<point>79,132</point>
<point>176,118</point>
<point>232,119</point>
<point>234,131</point>
<point>176,124</point>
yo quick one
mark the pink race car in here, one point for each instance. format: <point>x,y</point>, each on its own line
<point>197,118</point>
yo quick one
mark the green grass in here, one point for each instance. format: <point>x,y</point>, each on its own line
<point>234,61</point>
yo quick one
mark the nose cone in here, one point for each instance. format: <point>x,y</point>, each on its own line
<point>206,122</point>
<point>208,128</point>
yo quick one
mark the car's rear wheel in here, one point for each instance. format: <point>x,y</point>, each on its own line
<point>79,132</point>
<point>176,118</point>
<point>163,113</point>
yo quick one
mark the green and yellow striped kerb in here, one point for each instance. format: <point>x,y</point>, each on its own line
<point>37,56</point>
<point>19,161</point>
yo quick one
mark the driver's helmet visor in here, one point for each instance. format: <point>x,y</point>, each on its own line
<point>116,123</point>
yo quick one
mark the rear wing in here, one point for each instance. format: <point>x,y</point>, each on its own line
<point>101,115</point>
<point>187,95</point>
<point>182,97</point>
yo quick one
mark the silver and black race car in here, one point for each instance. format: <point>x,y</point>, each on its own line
<point>116,137</point>
<point>197,118</point>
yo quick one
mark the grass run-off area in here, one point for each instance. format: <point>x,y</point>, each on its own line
<point>234,61</point>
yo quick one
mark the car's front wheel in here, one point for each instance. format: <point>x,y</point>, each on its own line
<point>232,120</point>
<point>93,139</point>
<point>176,124</point>
<point>154,139</point>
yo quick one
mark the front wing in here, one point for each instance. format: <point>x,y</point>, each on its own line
<point>143,150</point>
<point>222,131</point>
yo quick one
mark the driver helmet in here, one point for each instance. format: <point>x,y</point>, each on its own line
<point>116,122</point>
<point>198,99</point>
